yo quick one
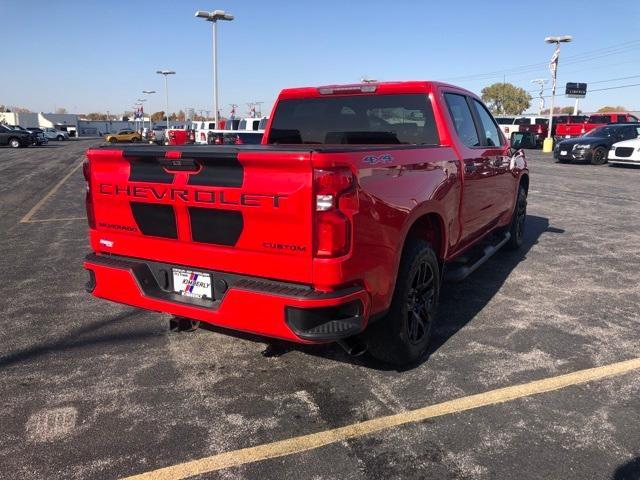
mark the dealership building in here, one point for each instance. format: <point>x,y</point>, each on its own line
<point>68,122</point>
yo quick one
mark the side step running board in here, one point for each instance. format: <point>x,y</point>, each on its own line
<point>459,273</point>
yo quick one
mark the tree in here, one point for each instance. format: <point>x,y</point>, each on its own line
<point>506,98</point>
<point>567,110</point>
<point>173,117</point>
<point>61,110</point>
<point>97,116</point>
<point>157,116</point>
<point>607,108</point>
<point>181,116</point>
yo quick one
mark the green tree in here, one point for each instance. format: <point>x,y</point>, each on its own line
<point>506,98</point>
<point>607,108</point>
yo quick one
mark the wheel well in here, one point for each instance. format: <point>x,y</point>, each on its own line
<point>429,227</point>
<point>524,181</point>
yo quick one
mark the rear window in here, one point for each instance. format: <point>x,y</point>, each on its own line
<point>523,121</point>
<point>600,119</point>
<point>504,120</point>
<point>355,119</point>
<point>542,121</point>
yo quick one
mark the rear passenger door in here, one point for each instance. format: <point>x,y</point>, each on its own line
<point>479,196</point>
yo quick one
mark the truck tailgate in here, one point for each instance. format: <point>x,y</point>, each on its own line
<point>216,208</point>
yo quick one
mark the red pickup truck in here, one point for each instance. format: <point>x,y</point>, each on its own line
<point>340,227</point>
<point>577,129</point>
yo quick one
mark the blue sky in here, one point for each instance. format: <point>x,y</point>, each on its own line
<point>99,55</point>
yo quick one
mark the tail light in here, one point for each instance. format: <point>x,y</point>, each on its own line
<point>539,129</point>
<point>506,129</point>
<point>217,140</point>
<point>336,200</point>
<point>583,131</point>
<point>203,137</point>
<point>152,135</point>
<point>88,200</point>
<point>238,140</point>
<point>192,136</point>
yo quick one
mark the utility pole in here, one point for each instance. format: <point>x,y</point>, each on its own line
<point>541,82</point>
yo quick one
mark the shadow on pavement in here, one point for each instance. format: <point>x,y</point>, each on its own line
<point>74,340</point>
<point>459,304</point>
<point>628,471</point>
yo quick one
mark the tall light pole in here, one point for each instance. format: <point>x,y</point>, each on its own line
<point>141,100</point>
<point>548,142</point>
<point>213,17</point>
<point>166,89</point>
<point>147,93</point>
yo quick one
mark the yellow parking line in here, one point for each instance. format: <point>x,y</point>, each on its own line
<point>43,200</point>
<point>311,441</point>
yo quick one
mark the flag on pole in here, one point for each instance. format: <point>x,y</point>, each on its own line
<point>553,65</point>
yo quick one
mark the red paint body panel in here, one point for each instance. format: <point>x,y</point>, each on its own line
<point>278,242</point>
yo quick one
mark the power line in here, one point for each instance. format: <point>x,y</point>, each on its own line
<point>600,89</point>
<point>592,83</point>
<point>568,60</point>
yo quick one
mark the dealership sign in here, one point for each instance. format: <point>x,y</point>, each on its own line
<point>575,90</point>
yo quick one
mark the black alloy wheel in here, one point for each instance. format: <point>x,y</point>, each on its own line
<point>599,156</point>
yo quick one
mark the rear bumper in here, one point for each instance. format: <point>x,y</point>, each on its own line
<point>250,304</point>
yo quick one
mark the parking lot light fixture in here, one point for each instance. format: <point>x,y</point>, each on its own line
<point>556,40</point>
<point>166,73</point>
<point>149,92</point>
<point>213,17</point>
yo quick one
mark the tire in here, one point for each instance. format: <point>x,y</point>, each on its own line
<point>402,336</point>
<point>113,140</point>
<point>134,140</point>
<point>14,143</point>
<point>518,219</point>
<point>60,138</point>
<point>599,156</point>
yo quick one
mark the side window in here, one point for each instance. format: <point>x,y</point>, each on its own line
<point>462,119</point>
<point>488,125</point>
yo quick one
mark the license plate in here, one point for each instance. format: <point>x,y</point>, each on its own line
<point>563,152</point>
<point>192,284</point>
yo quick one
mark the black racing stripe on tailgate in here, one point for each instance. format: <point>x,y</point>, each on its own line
<point>218,169</point>
<point>155,220</point>
<point>148,170</point>
<point>210,225</point>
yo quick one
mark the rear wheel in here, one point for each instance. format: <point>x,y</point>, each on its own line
<point>599,156</point>
<point>516,228</point>
<point>403,335</point>
<point>60,138</point>
<point>14,143</point>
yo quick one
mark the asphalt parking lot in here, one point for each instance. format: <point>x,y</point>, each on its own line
<point>92,389</point>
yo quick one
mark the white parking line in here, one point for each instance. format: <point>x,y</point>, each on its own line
<point>43,200</point>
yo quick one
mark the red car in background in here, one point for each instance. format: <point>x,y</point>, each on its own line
<point>576,129</point>
<point>181,135</point>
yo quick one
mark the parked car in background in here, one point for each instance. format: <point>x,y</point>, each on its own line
<point>594,146</point>
<point>157,134</point>
<point>180,135</point>
<point>507,126</point>
<point>38,134</point>
<point>55,134</point>
<point>575,129</point>
<point>124,135</point>
<point>202,129</point>
<point>16,138</point>
<point>626,152</point>
<point>537,126</point>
